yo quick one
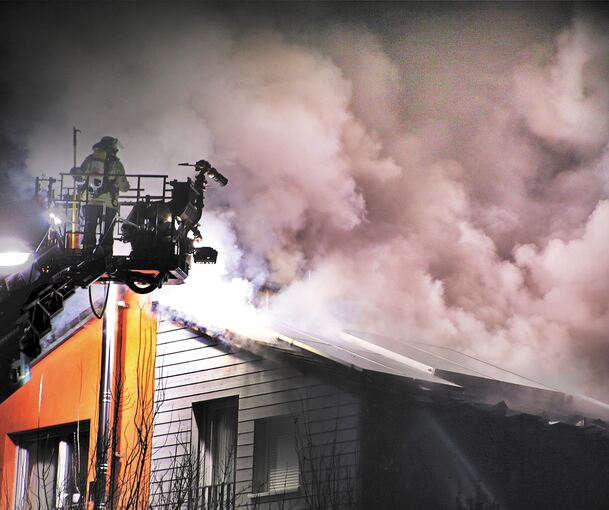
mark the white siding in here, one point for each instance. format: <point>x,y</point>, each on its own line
<point>192,368</point>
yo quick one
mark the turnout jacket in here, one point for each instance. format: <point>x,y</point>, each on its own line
<point>102,176</point>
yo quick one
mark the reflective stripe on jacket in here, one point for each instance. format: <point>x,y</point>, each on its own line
<point>103,171</point>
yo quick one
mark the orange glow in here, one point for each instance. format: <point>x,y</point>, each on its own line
<point>65,383</point>
<point>134,373</point>
<point>64,388</point>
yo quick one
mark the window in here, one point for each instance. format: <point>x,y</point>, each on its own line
<point>215,424</point>
<point>276,467</point>
<point>51,468</point>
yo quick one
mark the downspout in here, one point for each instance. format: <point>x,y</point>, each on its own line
<point>105,397</point>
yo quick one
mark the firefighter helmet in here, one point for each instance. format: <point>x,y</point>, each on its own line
<point>108,143</point>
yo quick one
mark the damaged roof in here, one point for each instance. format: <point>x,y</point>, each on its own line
<point>473,380</point>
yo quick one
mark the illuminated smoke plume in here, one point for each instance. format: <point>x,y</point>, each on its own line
<point>442,177</point>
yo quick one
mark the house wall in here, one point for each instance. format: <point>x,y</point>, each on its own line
<point>133,401</point>
<point>61,390</point>
<point>64,388</point>
<point>423,451</point>
<point>192,367</point>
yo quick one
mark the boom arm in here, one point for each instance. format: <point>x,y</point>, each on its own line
<point>160,230</point>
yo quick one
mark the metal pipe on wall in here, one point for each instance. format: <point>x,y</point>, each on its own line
<point>105,396</point>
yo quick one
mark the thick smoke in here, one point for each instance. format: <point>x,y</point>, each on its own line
<point>442,177</point>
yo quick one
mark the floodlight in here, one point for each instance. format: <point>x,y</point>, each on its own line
<point>13,258</point>
<point>54,218</point>
<point>14,252</point>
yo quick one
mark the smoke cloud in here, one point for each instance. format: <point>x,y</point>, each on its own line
<point>432,173</point>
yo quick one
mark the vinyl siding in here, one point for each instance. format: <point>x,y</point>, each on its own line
<point>192,367</point>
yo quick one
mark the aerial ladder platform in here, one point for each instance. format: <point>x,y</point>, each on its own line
<point>158,218</point>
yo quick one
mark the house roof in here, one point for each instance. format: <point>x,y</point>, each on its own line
<point>362,356</point>
<point>479,381</point>
<point>473,380</point>
<point>444,359</point>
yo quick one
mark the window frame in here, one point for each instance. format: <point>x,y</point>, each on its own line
<point>262,465</point>
<point>61,442</point>
<point>203,449</point>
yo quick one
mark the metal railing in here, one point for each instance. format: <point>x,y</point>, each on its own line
<point>215,497</point>
<point>72,203</point>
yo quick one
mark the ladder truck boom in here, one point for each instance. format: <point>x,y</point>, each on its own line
<point>160,225</point>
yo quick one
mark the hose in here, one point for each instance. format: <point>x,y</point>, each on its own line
<point>103,309</point>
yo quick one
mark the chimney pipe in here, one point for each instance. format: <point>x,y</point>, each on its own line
<point>105,397</point>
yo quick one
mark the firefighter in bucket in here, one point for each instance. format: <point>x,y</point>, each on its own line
<point>101,176</point>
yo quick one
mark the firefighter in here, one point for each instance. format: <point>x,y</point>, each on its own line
<point>102,176</point>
